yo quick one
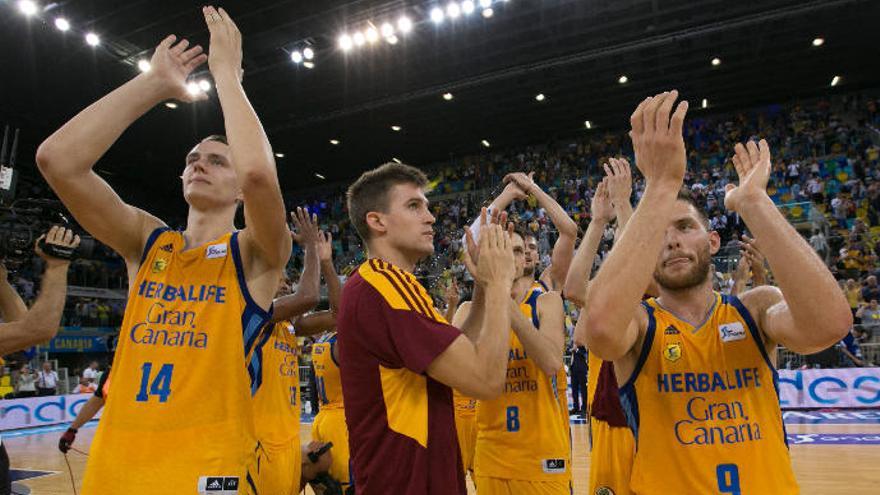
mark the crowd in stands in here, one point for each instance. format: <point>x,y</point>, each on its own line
<point>826,177</point>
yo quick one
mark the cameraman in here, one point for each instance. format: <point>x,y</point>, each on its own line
<point>23,328</point>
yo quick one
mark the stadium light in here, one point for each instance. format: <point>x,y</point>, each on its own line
<point>296,56</point>
<point>448,96</point>
<point>588,124</point>
<point>171,105</point>
<point>27,7</point>
<point>404,24</point>
<point>193,88</point>
<point>308,53</point>
<point>622,79</point>
<point>437,15</point>
<point>396,128</point>
<point>835,81</point>
<point>540,97</point>
<point>818,41</point>
<point>453,10</point>
<point>279,155</point>
<point>371,34</point>
<point>92,39</point>
<point>144,65</point>
<point>345,42</point>
<point>62,24</point>
<point>487,13</point>
<point>319,176</point>
<point>387,29</point>
<point>716,61</point>
<point>308,64</point>
<point>204,85</point>
<point>467,7</point>
<point>391,39</point>
<point>359,38</point>
<point>705,103</point>
<point>485,143</point>
<point>485,3</point>
<point>396,160</point>
<point>335,142</point>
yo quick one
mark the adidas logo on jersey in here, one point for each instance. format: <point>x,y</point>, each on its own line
<point>167,248</point>
<point>671,330</point>
<point>731,332</point>
<point>214,485</point>
<point>218,485</point>
<point>553,466</point>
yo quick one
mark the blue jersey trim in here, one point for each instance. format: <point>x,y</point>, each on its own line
<point>255,365</point>
<point>151,240</point>
<point>628,399</point>
<point>646,347</point>
<point>254,318</point>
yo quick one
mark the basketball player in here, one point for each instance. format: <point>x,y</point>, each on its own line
<point>695,367</point>
<point>179,417</point>
<point>610,438</point>
<point>523,445</point>
<point>465,407</point>
<point>400,356</point>
<point>274,368</point>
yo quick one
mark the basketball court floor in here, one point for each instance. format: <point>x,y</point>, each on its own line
<point>833,452</point>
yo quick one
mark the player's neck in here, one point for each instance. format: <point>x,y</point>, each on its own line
<point>396,257</point>
<point>521,286</point>
<point>203,226</point>
<point>691,305</point>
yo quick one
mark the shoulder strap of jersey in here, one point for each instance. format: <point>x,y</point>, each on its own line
<point>152,240</point>
<point>753,327</point>
<point>253,318</point>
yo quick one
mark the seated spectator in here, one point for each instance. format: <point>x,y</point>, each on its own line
<point>85,387</point>
<point>47,380</point>
<point>869,315</point>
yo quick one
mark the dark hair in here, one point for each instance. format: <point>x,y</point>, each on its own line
<point>370,192</point>
<point>685,195</point>
<point>220,138</point>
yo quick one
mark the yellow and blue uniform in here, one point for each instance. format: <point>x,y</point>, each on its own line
<point>703,406</point>
<point>330,424</point>
<point>465,427</point>
<point>523,445</point>
<point>277,466</point>
<point>179,418</point>
<point>612,445</point>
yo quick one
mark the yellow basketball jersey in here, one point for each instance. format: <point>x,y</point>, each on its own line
<point>520,435</point>
<point>327,372</point>
<point>179,418</point>
<point>703,406</point>
<point>275,367</point>
<point>464,405</point>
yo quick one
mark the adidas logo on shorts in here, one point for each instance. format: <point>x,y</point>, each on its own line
<point>218,485</point>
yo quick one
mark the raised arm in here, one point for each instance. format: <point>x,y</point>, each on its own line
<point>12,307</point>
<point>544,345</point>
<point>41,322</point>
<point>315,323</point>
<point>578,277</point>
<point>252,156</point>
<point>619,176</point>
<point>613,300</point>
<point>308,290</point>
<point>66,157</point>
<point>809,313</point>
<point>478,369</point>
<point>563,250</point>
<point>451,297</point>
<point>328,270</point>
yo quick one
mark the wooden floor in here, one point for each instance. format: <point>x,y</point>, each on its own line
<point>820,469</point>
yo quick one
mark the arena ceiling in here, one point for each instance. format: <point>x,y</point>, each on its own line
<point>573,52</point>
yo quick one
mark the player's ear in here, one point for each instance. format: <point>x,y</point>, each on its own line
<point>714,242</point>
<point>376,221</point>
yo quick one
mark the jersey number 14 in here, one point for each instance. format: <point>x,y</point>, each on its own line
<point>160,386</point>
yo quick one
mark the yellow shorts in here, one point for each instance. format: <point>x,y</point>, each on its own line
<point>329,426</point>
<point>466,429</point>
<point>498,486</point>
<point>276,471</point>
<point>611,458</point>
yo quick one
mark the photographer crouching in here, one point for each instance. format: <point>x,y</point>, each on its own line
<point>22,327</point>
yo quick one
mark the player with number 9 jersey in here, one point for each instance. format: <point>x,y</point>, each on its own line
<point>179,417</point>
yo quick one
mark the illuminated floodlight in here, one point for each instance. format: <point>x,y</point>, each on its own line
<point>622,79</point>
<point>359,39</point>
<point>448,96</point>
<point>437,15</point>
<point>27,7</point>
<point>453,10</point>
<point>62,24</point>
<point>334,142</point>
<point>204,85</point>
<point>487,13</point>
<point>391,39</point>
<point>835,81</point>
<point>404,24</point>
<point>485,143</point>
<point>396,160</point>
<point>345,42</point>
<point>319,176</point>
<point>705,103</point>
<point>387,29</point>
<point>818,41</point>
<point>485,3</point>
<point>92,39</point>
<point>193,88</point>
<point>395,128</point>
<point>279,155</point>
<point>467,7</point>
<point>171,105</point>
<point>308,53</point>
<point>296,56</point>
<point>540,97</point>
<point>716,62</point>
<point>308,64</point>
<point>588,124</point>
<point>144,65</point>
<point>371,34</point>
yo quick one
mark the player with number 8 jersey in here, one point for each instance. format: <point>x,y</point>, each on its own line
<point>188,325</point>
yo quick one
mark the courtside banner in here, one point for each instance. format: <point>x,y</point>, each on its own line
<point>40,411</point>
<point>845,387</point>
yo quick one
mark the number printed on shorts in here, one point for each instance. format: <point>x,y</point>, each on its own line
<point>728,479</point>
<point>161,385</point>
<point>513,419</point>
